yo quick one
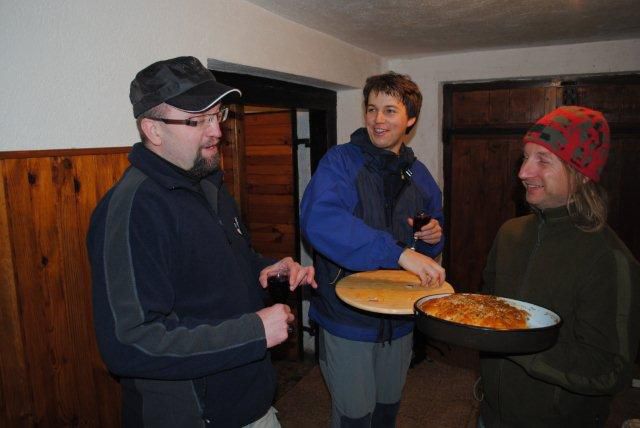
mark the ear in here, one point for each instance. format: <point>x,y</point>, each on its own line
<point>585,180</point>
<point>151,130</point>
<point>411,122</point>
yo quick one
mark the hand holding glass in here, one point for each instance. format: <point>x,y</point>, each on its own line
<point>278,283</point>
<point>420,219</point>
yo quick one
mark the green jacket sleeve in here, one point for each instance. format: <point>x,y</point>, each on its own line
<point>596,358</point>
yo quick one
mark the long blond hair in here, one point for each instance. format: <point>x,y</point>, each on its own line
<point>587,204</point>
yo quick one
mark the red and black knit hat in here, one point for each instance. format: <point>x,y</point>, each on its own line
<point>577,135</point>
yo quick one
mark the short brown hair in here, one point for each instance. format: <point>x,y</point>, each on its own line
<point>397,85</point>
<point>157,111</point>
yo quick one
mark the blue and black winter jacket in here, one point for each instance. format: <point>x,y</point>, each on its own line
<point>175,292</point>
<point>354,214</point>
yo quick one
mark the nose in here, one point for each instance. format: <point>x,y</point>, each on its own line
<point>525,169</point>
<point>214,129</point>
<point>380,117</point>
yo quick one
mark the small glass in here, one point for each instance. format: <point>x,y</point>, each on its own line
<point>279,286</point>
<point>278,283</point>
<point>420,219</point>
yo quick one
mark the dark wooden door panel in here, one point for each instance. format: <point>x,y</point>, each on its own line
<point>502,108</point>
<point>484,125</point>
<point>483,184</point>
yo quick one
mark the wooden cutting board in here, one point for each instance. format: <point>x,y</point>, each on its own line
<point>385,291</point>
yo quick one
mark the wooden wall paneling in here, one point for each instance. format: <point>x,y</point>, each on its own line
<point>16,400</point>
<point>233,159</point>
<point>270,209</point>
<point>33,253</point>
<point>90,184</point>
<point>269,195</point>
<point>269,182</point>
<point>69,223</point>
<point>47,201</point>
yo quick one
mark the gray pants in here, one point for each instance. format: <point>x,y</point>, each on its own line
<point>361,375</point>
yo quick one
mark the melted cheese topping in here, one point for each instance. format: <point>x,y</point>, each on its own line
<point>477,310</point>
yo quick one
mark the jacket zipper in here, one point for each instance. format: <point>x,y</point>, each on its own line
<point>532,255</point>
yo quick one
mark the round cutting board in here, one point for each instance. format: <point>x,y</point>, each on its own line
<point>385,291</point>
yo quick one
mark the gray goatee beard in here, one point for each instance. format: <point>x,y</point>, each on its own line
<point>203,167</point>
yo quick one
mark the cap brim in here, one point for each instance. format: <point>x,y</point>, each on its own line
<point>203,96</point>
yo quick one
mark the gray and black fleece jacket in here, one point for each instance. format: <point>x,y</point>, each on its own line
<point>593,282</point>
<point>175,291</point>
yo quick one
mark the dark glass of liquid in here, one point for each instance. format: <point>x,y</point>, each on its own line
<point>279,290</point>
<point>279,287</point>
<point>419,220</point>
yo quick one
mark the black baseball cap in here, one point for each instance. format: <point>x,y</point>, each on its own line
<point>182,82</point>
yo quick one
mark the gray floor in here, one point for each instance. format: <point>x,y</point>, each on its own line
<point>438,393</point>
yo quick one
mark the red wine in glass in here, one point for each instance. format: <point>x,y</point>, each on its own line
<point>279,287</point>
<point>420,219</point>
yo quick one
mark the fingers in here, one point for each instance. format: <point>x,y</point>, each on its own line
<point>276,320</point>
<point>431,233</point>
<point>428,270</point>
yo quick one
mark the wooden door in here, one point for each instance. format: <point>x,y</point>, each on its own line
<point>483,130</point>
<point>258,160</point>
<point>269,194</point>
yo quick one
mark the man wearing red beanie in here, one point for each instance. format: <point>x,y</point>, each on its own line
<point>564,257</point>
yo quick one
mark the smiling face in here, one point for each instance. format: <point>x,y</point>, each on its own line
<point>544,177</point>
<point>387,121</point>
<point>194,149</point>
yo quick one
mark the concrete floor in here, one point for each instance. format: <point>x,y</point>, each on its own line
<point>438,393</point>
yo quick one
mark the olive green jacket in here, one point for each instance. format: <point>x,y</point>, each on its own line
<point>592,281</point>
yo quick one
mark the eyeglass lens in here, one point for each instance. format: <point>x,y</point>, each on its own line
<point>208,119</point>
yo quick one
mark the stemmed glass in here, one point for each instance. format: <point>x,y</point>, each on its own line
<point>420,219</point>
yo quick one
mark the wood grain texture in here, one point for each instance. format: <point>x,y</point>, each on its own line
<point>386,291</point>
<point>53,374</point>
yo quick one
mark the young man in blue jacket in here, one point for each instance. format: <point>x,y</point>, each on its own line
<point>356,213</point>
<point>177,299</point>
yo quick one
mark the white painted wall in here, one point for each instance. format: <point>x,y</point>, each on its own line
<point>67,65</point>
<point>430,73</point>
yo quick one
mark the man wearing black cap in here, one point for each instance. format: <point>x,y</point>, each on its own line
<point>178,309</point>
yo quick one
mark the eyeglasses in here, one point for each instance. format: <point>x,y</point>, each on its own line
<point>198,121</point>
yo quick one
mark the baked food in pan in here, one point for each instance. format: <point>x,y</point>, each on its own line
<point>478,310</point>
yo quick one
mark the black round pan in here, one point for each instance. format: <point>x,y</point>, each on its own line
<point>542,333</point>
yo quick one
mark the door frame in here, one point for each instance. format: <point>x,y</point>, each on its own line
<point>321,104</point>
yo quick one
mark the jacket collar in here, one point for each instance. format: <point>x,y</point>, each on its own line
<point>552,215</point>
<point>381,159</point>
<point>164,172</point>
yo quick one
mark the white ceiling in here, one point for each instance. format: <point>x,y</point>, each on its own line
<point>412,28</point>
